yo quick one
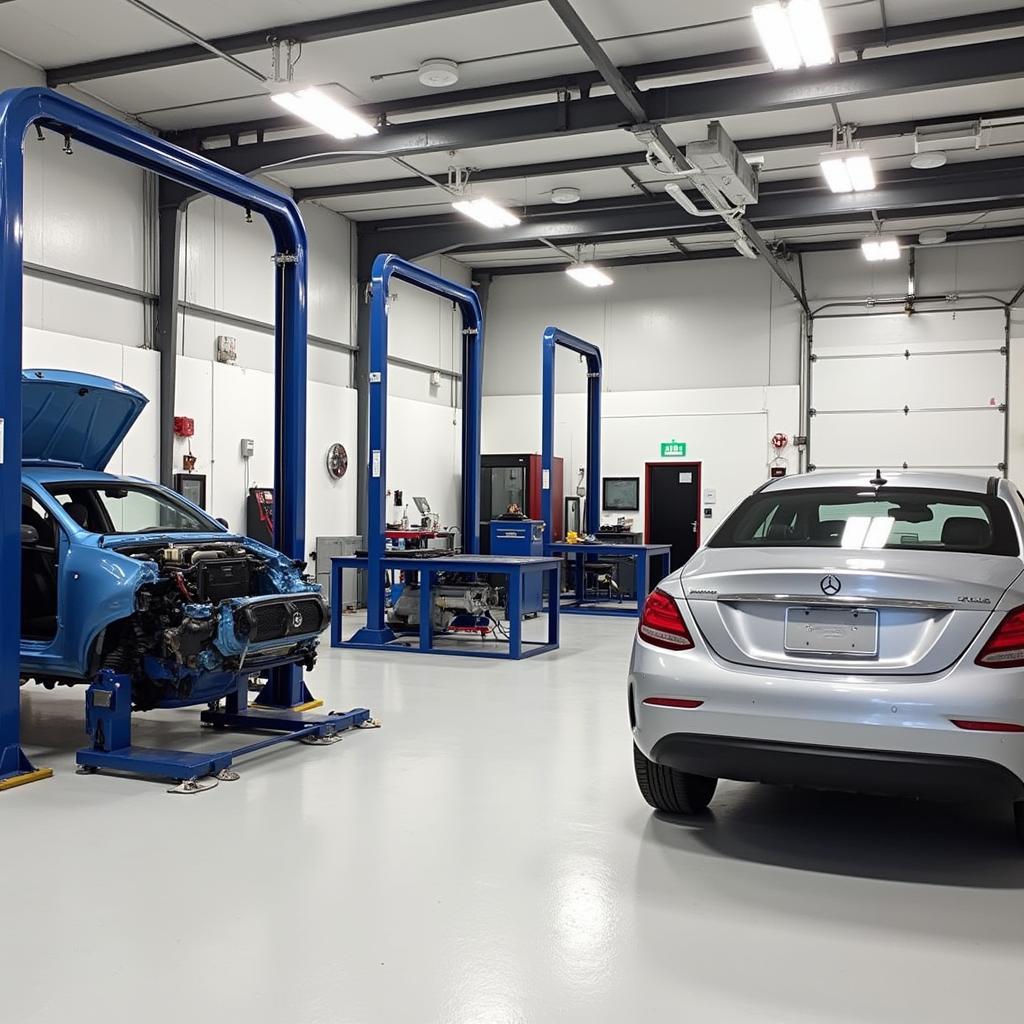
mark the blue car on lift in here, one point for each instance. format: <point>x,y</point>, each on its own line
<point>124,574</point>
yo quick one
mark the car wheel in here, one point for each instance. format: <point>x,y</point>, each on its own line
<point>670,790</point>
<point>1018,819</point>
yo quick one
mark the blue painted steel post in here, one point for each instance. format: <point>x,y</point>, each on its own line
<point>20,108</point>
<point>386,267</point>
<point>555,337</point>
<point>12,760</point>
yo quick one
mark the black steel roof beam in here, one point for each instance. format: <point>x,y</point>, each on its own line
<point>814,184</point>
<point>1000,181</point>
<point>356,23</point>
<point>855,42</point>
<point>697,101</point>
<point>1003,233</point>
<point>634,158</point>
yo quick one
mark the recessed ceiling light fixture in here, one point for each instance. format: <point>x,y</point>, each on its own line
<point>487,212</point>
<point>321,110</point>
<point>438,72</point>
<point>794,34</point>
<point>880,247</point>
<point>847,168</point>
<point>589,275</point>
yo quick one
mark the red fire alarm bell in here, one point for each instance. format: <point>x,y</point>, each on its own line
<point>184,426</point>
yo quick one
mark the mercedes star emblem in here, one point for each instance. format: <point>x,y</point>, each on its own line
<point>830,585</point>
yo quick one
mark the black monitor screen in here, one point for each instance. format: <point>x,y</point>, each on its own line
<point>621,494</point>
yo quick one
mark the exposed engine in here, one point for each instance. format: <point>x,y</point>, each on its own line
<point>456,605</point>
<point>211,611</point>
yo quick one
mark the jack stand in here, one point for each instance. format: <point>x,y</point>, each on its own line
<point>108,711</point>
<point>189,787</point>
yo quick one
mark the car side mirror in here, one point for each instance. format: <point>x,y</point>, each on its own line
<point>223,522</point>
<point>29,535</point>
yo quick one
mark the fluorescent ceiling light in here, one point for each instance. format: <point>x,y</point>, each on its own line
<point>848,170</point>
<point>589,275</point>
<point>323,111</point>
<point>794,33</point>
<point>488,213</point>
<point>878,248</point>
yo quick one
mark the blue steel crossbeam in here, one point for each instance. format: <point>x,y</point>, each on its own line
<point>20,109</point>
<point>386,267</point>
<point>553,339</point>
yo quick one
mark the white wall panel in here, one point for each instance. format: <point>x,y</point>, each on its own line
<point>330,503</point>
<point>243,403</point>
<point>727,430</point>
<point>140,451</point>
<point>718,323</point>
<point>425,456</point>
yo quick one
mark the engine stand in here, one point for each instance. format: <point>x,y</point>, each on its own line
<point>108,712</point>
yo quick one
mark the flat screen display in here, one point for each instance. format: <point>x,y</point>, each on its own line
<point>621,494</point>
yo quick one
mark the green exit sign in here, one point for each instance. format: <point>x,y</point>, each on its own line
<point>673,449</point>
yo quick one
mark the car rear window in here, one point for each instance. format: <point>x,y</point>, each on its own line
<point>865,520</point>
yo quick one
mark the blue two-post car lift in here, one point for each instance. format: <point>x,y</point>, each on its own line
<point>377,634</point>
<point>644,554</point>
<point>109,697</point>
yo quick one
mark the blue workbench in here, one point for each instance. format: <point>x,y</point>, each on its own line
<point>644,554</point>
<point>515,568</point>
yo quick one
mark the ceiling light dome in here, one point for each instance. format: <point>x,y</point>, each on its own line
<point>932,236</point>
<point>438,72</point>
<point>565,195</point>
<point>928,160</point>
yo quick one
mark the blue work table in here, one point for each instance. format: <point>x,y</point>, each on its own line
<point>516,568</point>
<point>644,554</point>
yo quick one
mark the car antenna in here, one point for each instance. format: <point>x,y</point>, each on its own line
<point>879,480</point>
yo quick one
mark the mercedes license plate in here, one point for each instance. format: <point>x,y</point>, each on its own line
<point>814,630</point>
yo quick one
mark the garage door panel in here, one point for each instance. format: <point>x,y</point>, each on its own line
<point>857,439</point>
<point>946,370</point>
<point>951,380</point>
<point>954,329</point>
<point>955,439</point>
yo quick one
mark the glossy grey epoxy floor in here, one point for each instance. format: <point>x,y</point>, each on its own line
<point>485,859</point>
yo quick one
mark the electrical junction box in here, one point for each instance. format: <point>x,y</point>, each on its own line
<point>435,379</point>
<point>721,162</point>
<point>248,448</point>
<point>227,349</point>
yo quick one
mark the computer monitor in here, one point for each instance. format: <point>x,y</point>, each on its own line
<point>620,494</point>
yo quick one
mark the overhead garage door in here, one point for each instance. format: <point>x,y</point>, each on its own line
<point>926,391</point>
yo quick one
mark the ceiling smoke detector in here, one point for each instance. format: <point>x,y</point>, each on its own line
<point>438,73</point>
<point>565,196</point>
<point>933,236</point>
<point>928,160</point>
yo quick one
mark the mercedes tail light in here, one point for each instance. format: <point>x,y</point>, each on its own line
<point>1005,647</point>
<point>661,623</point>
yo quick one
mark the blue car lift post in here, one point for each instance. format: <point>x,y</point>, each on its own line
<point>376,634</point>
<point>108,702</point>
<point>553,339</point>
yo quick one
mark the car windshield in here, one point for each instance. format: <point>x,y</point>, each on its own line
<point>857,520</point>
<point>128,508</point>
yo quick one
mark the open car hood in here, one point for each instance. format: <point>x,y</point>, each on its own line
<point>75,418</point>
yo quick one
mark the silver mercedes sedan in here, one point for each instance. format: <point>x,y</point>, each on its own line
<point>841,631</point>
